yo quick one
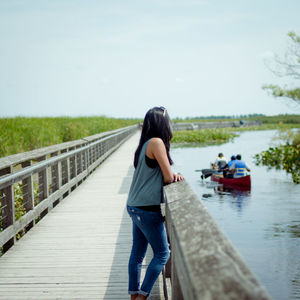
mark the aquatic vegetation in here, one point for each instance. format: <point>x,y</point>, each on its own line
<point>283,157</point>
<point>203,136</point>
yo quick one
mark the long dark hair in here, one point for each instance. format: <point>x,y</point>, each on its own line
<point>156,124</point>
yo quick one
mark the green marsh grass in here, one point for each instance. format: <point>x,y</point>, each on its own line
<point>205,137</point>
<point>202,137</point>
<point>22,134</point>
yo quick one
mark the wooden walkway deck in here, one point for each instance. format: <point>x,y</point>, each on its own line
<point>81,248</point>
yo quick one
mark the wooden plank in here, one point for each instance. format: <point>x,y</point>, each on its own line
<point>9,232</point>
<point>47,203</point>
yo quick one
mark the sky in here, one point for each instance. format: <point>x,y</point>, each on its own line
<point>119,58</point>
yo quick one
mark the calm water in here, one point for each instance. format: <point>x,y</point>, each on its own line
<point>264,225</point>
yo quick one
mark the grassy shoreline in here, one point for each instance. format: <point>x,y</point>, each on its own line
<point>201,137</point>
<point>207,137</point>
<point>22,134</point>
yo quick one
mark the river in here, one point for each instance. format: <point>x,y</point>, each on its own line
<point>263,224</point>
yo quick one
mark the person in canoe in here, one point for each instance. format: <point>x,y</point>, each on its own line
<point>226,172</point>
<point>220,163</point>
<point>239,167</point>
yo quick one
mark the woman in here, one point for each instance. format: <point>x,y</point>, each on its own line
<point>152,164</point>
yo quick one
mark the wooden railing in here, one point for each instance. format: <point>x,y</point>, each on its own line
<point>204,264</point>
<point>39,179</point>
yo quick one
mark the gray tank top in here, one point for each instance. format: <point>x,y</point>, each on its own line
<point>147,183</point>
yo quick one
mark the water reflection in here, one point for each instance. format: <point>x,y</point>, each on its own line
<point>237,196</point>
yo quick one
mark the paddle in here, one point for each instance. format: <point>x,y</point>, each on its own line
<point>205,172</point>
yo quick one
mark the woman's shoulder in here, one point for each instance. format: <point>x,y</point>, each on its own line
<point>155,145</point>
<point>156,141</point>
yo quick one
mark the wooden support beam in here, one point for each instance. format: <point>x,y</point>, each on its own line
<point>28,192</point>
<point>7,208</point>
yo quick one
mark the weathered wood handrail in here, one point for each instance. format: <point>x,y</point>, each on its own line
<point>204,263</point>
<point>56,170</point>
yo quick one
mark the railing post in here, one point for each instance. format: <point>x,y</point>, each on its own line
<point>171,267</point>
<point>168,268</point>
<point>98,151</point>
<point>92,154</point>
<point>65,172</point>
<point>95,152</point>
<point>55,178</point>
<point>7,208</point>
<point>28,193</point>
<point>86,160</point>
<point>93,149</point>
<point>104,147</point>
<point>79,163</point>
<point>73,170</point>
<point>176,290</point>
<point>68,168</point>
<point>43,185</point>
<point>101,148</point>
<point>55,175</point>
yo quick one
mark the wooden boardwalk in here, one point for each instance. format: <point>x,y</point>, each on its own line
<point>81,248</point>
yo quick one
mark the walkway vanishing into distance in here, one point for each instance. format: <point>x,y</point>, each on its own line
<point>80,249</point>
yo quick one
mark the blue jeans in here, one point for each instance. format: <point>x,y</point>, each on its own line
<point>148,227</point>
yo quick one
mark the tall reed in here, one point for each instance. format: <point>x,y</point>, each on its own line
<point>22,134</point>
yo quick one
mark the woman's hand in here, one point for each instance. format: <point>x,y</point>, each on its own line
<point>177,177</point>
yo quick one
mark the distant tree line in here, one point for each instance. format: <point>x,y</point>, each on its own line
<point>220,117</point>
<point>286,118</point>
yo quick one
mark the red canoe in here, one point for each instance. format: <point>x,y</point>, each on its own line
<point>241,181</point>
